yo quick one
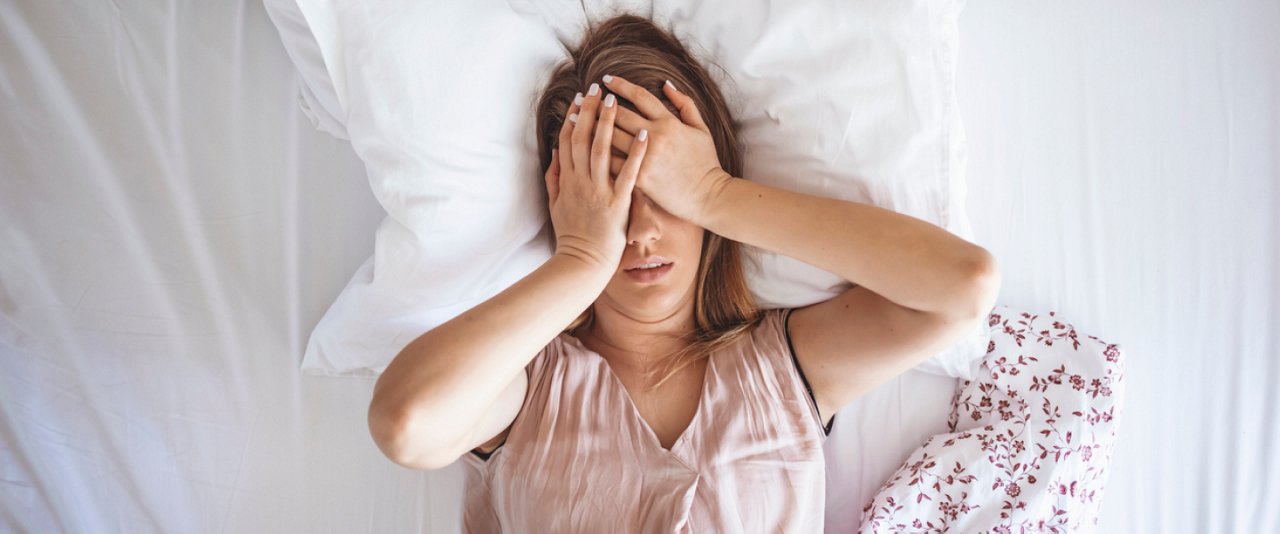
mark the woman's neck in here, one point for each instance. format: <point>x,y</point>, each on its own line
<point>638,342</point>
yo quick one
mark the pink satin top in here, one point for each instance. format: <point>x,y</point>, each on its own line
<point>579,457</point>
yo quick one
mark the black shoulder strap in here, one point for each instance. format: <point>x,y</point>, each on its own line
<point>786,322</point>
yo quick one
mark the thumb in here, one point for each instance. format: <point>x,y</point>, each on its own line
<point>688,110</point>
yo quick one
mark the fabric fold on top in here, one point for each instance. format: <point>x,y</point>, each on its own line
<point>580,458</point>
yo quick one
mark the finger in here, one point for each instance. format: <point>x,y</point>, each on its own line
<point>615,164</point>
<point>553,177</point>
<point>631,169</point>
<point>631,122</point>
<point>650,107</point>
<point>688,110</point>
<point>584,129</point>
<point>617,159</point>
<point>566,130</point>
<point>601,146</point>
<point>622,140</point>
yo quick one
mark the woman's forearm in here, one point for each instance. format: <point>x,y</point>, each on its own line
<point>446,378</point>
<point>904,259</point>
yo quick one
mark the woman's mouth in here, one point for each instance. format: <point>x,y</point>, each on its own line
<point>650,272</point>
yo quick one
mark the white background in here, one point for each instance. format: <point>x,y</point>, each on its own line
<point>1125,169</point>
<point>172,228</point>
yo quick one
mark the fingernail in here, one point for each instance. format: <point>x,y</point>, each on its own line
<point>595,88</point>
<point>672,85</point>
<point>573,118</point>
<point>577,99</point>
<point>607,78</point>
<point>608,100</point>
<point>644,134</point>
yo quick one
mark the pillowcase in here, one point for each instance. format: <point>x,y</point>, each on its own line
<point>317,94</point>
<point>441,113</point>
<point>853,101</point>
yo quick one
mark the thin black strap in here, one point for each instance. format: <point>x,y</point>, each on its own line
<point>484,455</point>
<point>786,322</point>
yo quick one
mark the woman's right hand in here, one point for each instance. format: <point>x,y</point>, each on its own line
<point>589,208</point>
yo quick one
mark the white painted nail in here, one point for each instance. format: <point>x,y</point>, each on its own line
<point>672,85</point>
<point>608,101</point>
<point>644,134</point>
<point>607,79</point>
<point>573,117</point>
<point>577,99</point>
<point>595,88</point>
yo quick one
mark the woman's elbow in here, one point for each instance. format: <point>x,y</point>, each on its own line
<point>984,282</point>
<point>399,442</point>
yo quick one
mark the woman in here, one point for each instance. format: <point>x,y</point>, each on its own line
<point>630,381</point>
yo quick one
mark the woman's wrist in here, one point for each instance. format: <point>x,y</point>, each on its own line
<point>711,197</point>
<point>712,206</point>
<point>592,269</point>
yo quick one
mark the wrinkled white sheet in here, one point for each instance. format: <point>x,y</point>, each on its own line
<point>171,228</point>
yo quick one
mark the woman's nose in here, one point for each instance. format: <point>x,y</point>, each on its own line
<point>643,224</point>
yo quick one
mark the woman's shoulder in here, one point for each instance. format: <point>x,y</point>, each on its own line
<point>771,322</point>
<point>765,335</point>
<point>563,348</point>
<point>547,354</point>
<point>772,337</point>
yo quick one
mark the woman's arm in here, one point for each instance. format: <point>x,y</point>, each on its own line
<point>436,392</point>
<point>441,388</point>
<point>907,260</point>
<point>904,259</point>
<point>920,288</point>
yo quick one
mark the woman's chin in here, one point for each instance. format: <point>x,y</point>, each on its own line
<point>645,299</point>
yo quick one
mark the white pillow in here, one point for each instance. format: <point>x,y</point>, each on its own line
<point>442,115</point>
<point>317,95</point>
<point>853,101</point>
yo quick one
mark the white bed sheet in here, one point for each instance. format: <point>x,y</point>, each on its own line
<point>172,228</point>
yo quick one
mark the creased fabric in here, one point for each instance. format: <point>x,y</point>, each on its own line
<point>579,458</point>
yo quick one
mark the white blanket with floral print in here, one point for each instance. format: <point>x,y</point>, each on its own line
<point>1030,442</point>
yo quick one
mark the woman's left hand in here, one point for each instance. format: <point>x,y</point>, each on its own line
<point>681,171</point>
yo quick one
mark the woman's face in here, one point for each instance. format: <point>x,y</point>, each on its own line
<point>652,294</point>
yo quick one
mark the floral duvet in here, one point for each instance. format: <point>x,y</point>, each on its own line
<point>1030,442</point>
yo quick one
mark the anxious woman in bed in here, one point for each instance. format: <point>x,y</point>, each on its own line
<point>630,380</point>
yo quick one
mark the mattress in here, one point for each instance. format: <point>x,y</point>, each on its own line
<point>172,227</point>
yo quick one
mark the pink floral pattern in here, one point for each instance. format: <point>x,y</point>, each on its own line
<point>1031,438</point>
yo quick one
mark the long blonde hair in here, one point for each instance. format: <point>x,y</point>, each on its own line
<point>637,50</point>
